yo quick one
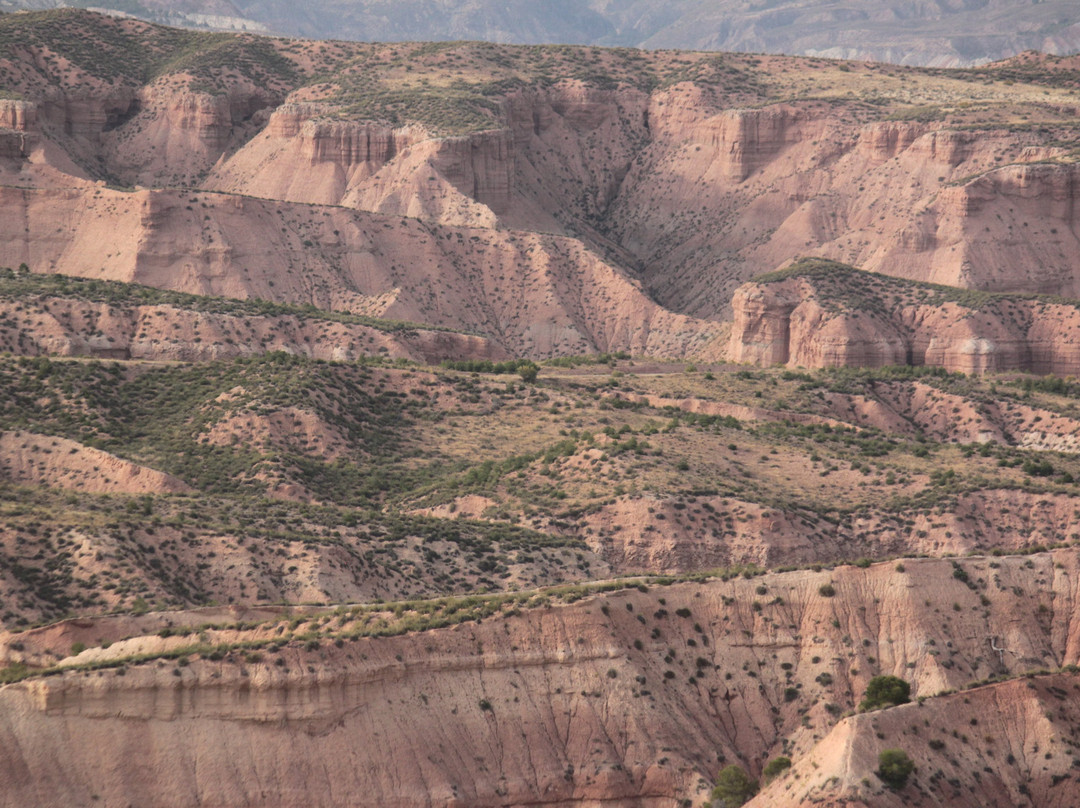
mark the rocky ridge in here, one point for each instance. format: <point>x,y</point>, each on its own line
<point>599,200</point>
<point>819,314</point>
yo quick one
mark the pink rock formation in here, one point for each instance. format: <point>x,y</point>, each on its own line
<point>793,322</point>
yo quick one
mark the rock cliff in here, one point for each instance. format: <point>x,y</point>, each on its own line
<point>677,177</point>
<point>851,319</point>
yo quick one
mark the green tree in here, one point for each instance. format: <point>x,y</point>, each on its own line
<point>527,371</point>
<point>894,767</point>
<point>774,768</point>
<point>885,691</point>
<point>733,787</point>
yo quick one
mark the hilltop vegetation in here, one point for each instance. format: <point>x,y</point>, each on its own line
<point>882,30</point>
<point>572,555</point>
<point>421,480</point>
<point>844,287</point>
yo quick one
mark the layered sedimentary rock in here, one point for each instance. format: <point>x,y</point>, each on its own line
<point>564,705</point>
<point>534,294</point>
<point>680,176</point>
<point>56,326</point>
<point>808,322</point>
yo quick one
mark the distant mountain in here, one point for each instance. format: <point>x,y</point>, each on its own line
<point>916,32</point>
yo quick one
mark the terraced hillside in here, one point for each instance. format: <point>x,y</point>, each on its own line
<point>556,200</point>
<point>371,408</point>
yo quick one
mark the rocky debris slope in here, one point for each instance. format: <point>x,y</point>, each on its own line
<point>29,459</point>
<point>638,696</point>
<point>534,294</point>
<point>1001,746</point>
<point>62,323</point>
<point>818,314</point>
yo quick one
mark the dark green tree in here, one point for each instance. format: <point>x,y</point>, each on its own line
<point>733,787</point>
<point>774,768</point>
<point>894,767</point>
<point>885,691</point>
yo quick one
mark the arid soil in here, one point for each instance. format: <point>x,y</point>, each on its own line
<point>574,704</point>
<point>464,424</point>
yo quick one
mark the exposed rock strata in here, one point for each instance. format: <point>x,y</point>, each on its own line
<point>795,323</point>
<point>534,294</point>
<point>993,762</point>
<point>56,326</point>
<point>525,710</point>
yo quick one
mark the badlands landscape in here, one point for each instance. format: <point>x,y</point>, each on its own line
<point>467,424</point>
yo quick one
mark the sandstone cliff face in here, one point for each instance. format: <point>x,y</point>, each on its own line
<point>20,116</point>
<point>528,173</point>
<point>555,706</point>
<point>303,156</point>
<point>172,136</point>
<point>718,196</point>
<point>684,189</point>
<point>18,119</point>
<point>788,323</point>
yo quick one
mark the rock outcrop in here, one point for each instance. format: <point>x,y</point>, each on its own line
<point>59,326</point>
<point>669,180</point>
<point>851,320</point>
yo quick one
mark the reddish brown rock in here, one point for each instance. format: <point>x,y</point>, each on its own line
<point>812,323</point>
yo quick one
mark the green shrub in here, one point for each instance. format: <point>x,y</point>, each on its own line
<point>774,768</point>
<point>894,767</point>
<point>733,787</point>
<point>885,691</point>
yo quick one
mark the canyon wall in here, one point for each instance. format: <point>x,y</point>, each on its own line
<point>533,294</point>
<point>792,322</point>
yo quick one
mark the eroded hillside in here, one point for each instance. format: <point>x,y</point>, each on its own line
<point>556,200</point>
<point>822,314</point>
<point>574,696</point>
<point>363,404</point>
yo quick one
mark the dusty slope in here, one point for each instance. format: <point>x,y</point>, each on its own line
<point>553,706</point>
<point>328,481</point>
<point>1017,748</point>
<point>68,322</point>
<point>533,294</point>
<point>29,459</point>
